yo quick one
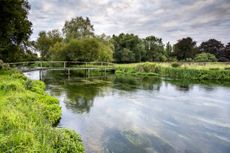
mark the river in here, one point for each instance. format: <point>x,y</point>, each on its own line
<point>143,115</point>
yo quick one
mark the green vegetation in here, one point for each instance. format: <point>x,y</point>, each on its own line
<point>15,30</point>
<point>205,57</point>
<point>27,117</point>
<point>86,49</point>
<point>77,41</point>
<point>193,71</point>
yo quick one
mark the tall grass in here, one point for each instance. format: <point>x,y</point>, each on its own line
<point>202,71</point>
<point>28,116</point>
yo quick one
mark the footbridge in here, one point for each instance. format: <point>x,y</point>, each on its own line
<point>66,66</point>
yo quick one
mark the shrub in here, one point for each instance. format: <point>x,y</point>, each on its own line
<point>188,60</point>
<point>214,69</point>
<point>223,59</point>
<point>35,86</point>
<point>3,66</point>
<point>205,57</point>
<point>175,65</point>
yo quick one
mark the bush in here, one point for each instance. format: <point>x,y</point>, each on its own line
<point>223,59</point>
<point>214,69</point>
<point>3,66</point>
<point>188,60</point>
<point>175,65</point>
<point>205,57</point>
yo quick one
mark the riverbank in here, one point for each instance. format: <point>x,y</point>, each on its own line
<point>28,117</point>
<point>193,71</point>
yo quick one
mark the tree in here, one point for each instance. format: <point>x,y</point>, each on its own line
<point>227,51</point>
<point>205,57</point>
<point>86,49</point>
<point>168,49</point>
<point>128,48</point>
<point>212,46</point>
<point>45,41</point>
<point>185,48</point>
<point>78,28</point>
<point>154,49</point>
<point>15,28</point>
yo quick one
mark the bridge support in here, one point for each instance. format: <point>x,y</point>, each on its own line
<point>40,74</point>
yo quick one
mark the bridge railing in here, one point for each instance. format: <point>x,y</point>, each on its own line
<point>59,64</point>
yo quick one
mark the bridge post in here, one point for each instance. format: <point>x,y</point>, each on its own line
<point>41,64</point>
<point>64,65</point>
<point>105,72</point>
<point>68,72</point>
<point>40,75</point>
<point>88,73</point>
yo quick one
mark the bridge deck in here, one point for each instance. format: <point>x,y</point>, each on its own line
<point>62,66</point>
<point>67,68</point>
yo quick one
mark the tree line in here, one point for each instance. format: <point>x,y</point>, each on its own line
<point>77,41</point>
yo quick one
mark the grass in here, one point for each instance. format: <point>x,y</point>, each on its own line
<point>28,117</point>
<point>195,71</point>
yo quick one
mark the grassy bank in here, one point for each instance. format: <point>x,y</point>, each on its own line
<point>194,71</point>
<point>28,116</point>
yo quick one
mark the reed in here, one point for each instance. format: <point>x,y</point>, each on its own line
<point>194,71</point>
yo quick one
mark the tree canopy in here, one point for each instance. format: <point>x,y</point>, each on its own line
<point>78,28</point>
<point>212,46</point>
<point>205,57</point>
<point>185,48</point>
<point>47,40</point>
<point>15,28</point>
<point>77,41</point>
<point>85,49</point>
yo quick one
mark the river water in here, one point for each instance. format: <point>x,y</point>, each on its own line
<point>143,115</point>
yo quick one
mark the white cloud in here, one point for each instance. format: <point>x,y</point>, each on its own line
<point>169,19</point>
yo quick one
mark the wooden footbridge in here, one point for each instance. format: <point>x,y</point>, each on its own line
<point>66,66</point>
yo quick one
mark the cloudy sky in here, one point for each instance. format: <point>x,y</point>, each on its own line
<point>168,19</point>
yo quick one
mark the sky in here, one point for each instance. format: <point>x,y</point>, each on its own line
<point>170,20</point>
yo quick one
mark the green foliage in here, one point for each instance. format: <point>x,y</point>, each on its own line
<point>3,66</point>
<point>35,86</point>
<point>128,48</point>
<point>212,46</point>
<point>27,115</point>
<point>205,57</point>
<point>78,28</point>
<point>175,65</point>
<point>185,48</point>
<point>181,72</point>
<point>168,49</point>
<point>155,49</point>
<point>15,28</point>
<point>86,49</point>
<point>47,40</point>
<point>226,52</point>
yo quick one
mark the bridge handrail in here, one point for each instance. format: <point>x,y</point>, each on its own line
<point>43,64</point>
<point>28,62</point>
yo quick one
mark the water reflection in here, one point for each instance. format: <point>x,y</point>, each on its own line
<point>144,115</point>
<point>81,96</point>
<point>131,142</point>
